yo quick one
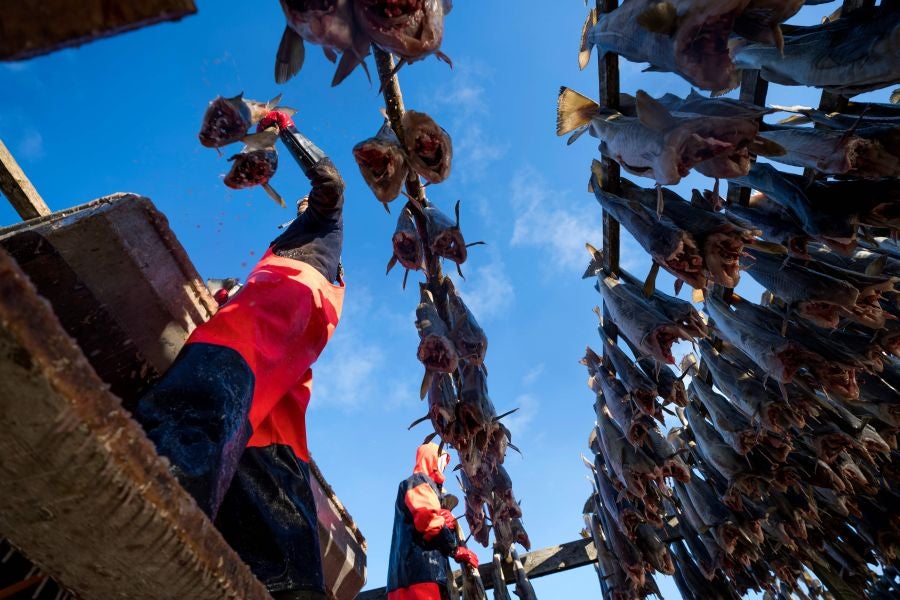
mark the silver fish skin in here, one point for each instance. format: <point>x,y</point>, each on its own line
<point>854,54</point>
<point>746,391</point>
<point>643,322</point>
<point>623,513</point>
<point>617,401</point>
<point>631,466</point>
<point>524,590</point>
<point>721,240</point>
<point>642,389</point>
<point>778,357</point>
<point>778,224</point>
<point>661,451</point>
<point>626,553</point>
<point>671,388</point>
<point>442,404</point>
<point>787,192</point>
<point>664,149</point>
<point>688,37</point>
<point>870,152</point>
<point>654,551</point>
<point>673,248</point>
<point>382,164</point>
<point>697,104</point>
<point>730,422</point>
<point>500,591</point>
<point>815,296</point>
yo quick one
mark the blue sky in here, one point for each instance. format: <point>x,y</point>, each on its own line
<point>123,114</point>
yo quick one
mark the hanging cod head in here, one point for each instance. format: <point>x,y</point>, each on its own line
<point>382,164</point>
<point>256,164</point>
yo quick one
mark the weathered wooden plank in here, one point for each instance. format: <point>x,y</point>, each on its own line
<point>17,187</point>
<point>546,561</point>
<point>608,75</point>
<point>84,493</point>
<point>30,28</point>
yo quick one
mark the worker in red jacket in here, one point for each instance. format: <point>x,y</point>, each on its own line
<point>230,412</point>
<point>424,533</point>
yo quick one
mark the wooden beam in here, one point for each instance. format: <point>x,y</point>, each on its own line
<point>18,189</point>
<point>546,561</point>
<point>84,493</point>
<point>30,28</point>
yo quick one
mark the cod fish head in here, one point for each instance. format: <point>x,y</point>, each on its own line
<point>226,121</point>
<point>700,31</point>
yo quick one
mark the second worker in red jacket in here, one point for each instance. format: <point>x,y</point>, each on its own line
<point>424,533</point>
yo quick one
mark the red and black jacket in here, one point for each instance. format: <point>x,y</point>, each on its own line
<point>421,540</point>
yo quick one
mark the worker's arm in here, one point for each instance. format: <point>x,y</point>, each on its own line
<point>317,234</point>
<point>429,519</point>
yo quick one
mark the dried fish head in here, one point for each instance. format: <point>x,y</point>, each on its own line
<point>382,164</point>
<point>410,29</point>
<point>408,248</point>
<point>428,146</point>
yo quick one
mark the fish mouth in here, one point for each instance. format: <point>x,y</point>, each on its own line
<point>868,312</point>
<point>438,354</point>
<point>702,51</point>
<point>377,160</point>
<point>222,125</point>
<point>722,253</point>
<point>823,314</point>
<point>661,341</point>
<point>252,168</point>
<point>450,245</point>
<point>408,249</point>
<point>838,380</point>
<point>686,263</point>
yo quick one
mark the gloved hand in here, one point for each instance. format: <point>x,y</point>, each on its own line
<point>464,555</point>
<point>449,519</point>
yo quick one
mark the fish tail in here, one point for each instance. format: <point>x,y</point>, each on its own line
<point>574,111</point>
<point>584,50</point>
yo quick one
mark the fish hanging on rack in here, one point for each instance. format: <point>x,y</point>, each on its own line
<point>428,146</point>
<point>687,37</point>
<point>851,55</point>
<point>327,23</point>
<point>382,164</point>
<point>409,29</point>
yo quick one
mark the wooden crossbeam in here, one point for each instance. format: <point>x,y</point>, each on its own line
<point>33,27</point>
<point>546,561</point>
<point>18,189</point>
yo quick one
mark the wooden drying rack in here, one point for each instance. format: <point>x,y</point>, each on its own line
<point>753,89</point>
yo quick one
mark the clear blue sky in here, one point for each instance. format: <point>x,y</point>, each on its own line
<point>123,114</point>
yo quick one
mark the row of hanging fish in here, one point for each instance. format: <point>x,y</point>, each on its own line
<point>709,43</point>
<point>461,412</point>
<point>783,475</point>
<point>409,29</point>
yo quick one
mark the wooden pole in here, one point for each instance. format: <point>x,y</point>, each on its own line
<point>18,189</point>
<point>608,73</point>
